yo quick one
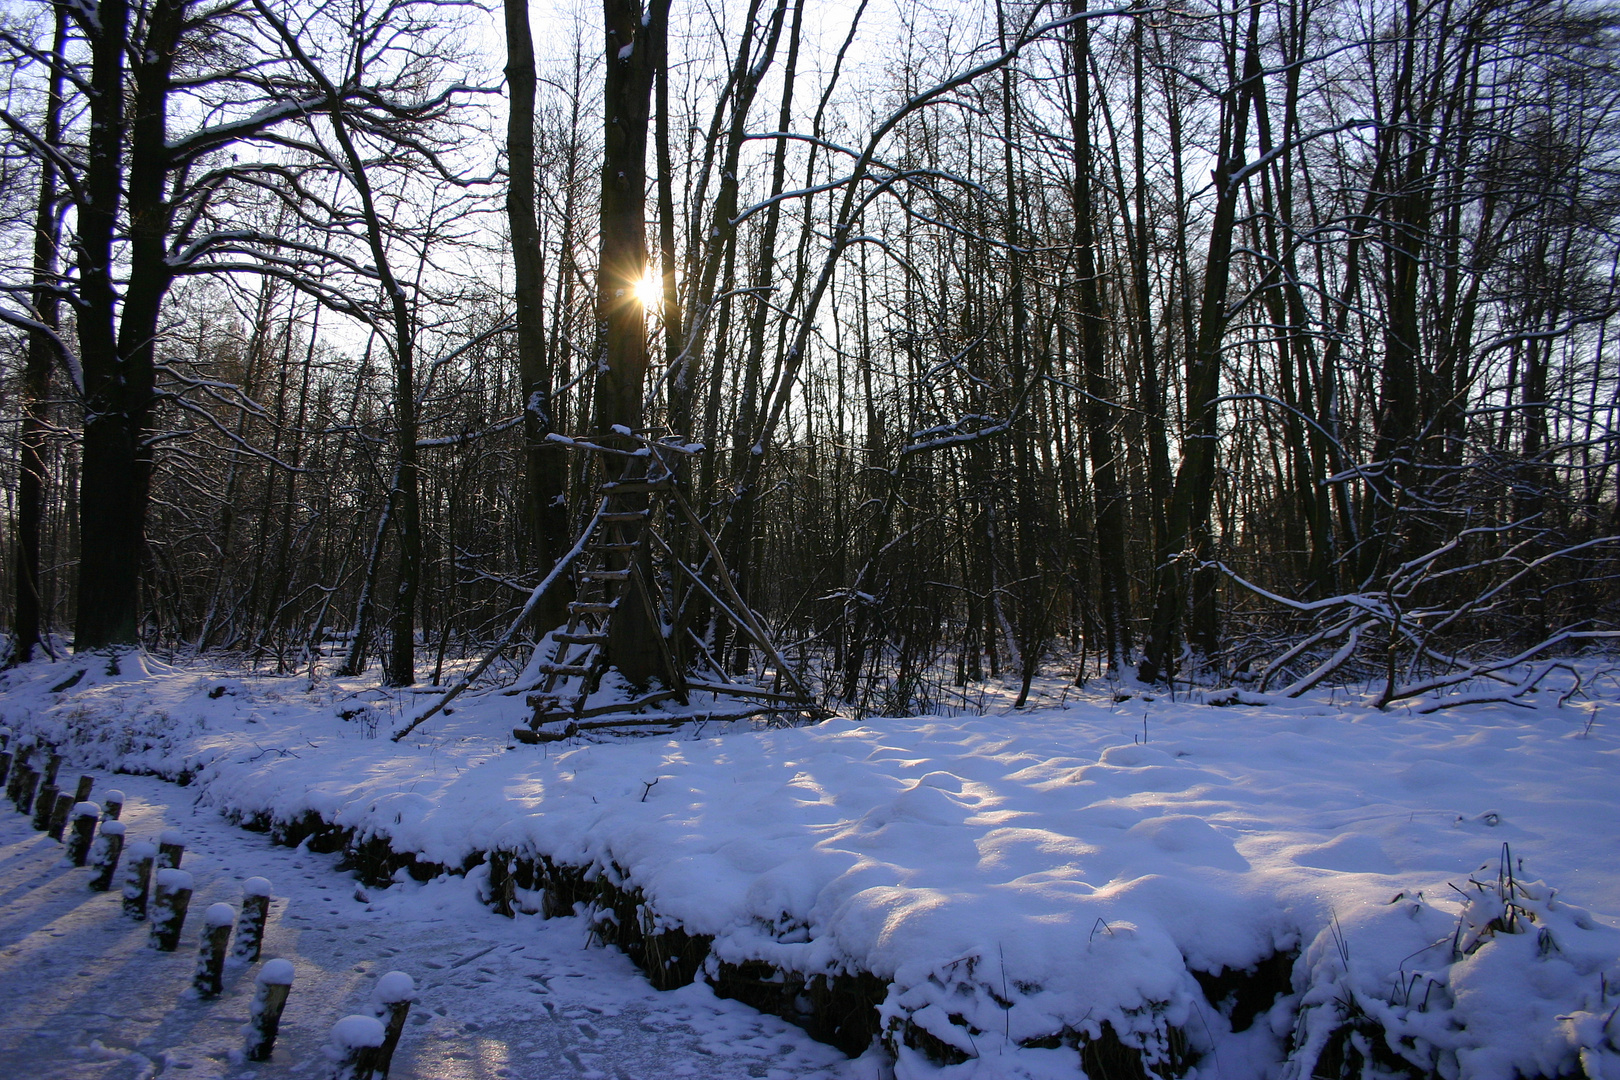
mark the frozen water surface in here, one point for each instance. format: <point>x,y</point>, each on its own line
<point>84,997</point>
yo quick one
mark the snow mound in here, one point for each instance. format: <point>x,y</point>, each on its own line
<point>1010,887</point>
<point>276,973</point>
<point>394,987</point>
<point>353,1031</point>
<point>171,880</point>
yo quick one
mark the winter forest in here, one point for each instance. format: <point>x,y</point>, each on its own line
<point>1269,343</point>
<point>1001,540</point>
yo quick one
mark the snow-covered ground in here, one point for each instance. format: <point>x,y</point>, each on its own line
<point>1024,884</point>
<point>83,996</point>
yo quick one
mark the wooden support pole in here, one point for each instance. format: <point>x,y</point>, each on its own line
<point>105,854</point>
<point>26,784</point>
<point>83,792</point>
<point>44,807</point>
<point>5,767</point>
<point>138,879</point>
<point>18,768</point>
<point>171,895</point>
<point>112,805</point>
<point>500,882</point>
<point>171,848</point>
<point>59,814</point>
<point>208,978</point>
<point>85,815</point>
<point>264,1017</point>
<point>250,924</point>
<point>45,800</point>
<point>390,1001</point>
<point>353,1045</point>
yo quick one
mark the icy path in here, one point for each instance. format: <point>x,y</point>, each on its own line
<point>82,996</point>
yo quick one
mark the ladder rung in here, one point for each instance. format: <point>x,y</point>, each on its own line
<point>565,669</point>
<point>634,487</point>
<point>619,517</point>
<point>616,547</point>
<point>606,575</point>
<point>591,607</point>
<point>581,639</point>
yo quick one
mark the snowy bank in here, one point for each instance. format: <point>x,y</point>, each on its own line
<point>1296,889</point>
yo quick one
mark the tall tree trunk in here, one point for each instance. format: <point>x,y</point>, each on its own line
<point>546,512</point>
<point>632,55</point>
<point>42,351</point>
<point>1188,515</point>
<point>1153,402</point>
<point>1101,410</point>
<point>119,379</point>
<point>737,543</point>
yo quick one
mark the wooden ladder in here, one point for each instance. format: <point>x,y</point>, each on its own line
<point>610,569</point>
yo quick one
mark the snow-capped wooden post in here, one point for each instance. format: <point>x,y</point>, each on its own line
<point>45,806</point>
<point>352,1047</point>
<point>112,805</point>
<point>59,814</point>
<point>5,754</point>
<point>83,792</point>
<point>500,882</point>
<point>104,855</point>
<point>26,783</point>
<point>264,1018</point>
<point>18,767</point>
<point>390,1002</point>
<point>250,924</point>
<point>208,978</point>
<point>171,895</point>
<point>171,847</point>
<point>138,879</point>
<point>45,800</point>
<point>85,815</point>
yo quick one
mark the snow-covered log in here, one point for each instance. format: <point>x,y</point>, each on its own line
<point>85,816</point>
<point>171,895</point>
<point>138,879</point>
<point>250,924</point>
<point>270,991</point>
<point>104,855</point>
<point>207,979</point>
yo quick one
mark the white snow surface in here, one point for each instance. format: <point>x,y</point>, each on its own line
<point>84,997</point>
<point>1013,876</point>
<point>394,986</point>
<point>219,915</point>
<point>171,880</point>
<point>277,972</point>
<point>358,1030</point>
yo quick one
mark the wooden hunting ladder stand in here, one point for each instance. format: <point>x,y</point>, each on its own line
<point>612,575</point>
<point>610,564</point>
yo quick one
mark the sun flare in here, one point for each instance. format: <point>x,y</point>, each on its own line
<point>650,290</point>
